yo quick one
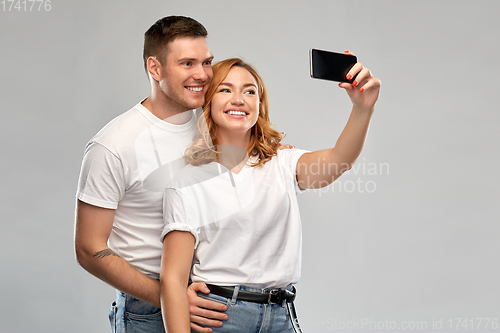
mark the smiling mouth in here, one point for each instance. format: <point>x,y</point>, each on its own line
<point>195,89</point>
<point>236,113</point>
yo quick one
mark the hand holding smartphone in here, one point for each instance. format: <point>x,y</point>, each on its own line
<point>331,66</point>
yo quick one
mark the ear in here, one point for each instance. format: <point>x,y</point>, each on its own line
<point>154,67</point>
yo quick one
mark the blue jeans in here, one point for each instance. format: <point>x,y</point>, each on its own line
<point>130,315</point>
<point>252,317</point>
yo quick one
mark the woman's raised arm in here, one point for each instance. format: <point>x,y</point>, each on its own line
<point>320,168</point>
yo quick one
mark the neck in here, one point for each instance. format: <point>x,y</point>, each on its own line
<point>233,139</point>
<point>232,149</point>
<point>158,104</point>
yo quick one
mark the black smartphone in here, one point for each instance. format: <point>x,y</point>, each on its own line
<point>331,66</point>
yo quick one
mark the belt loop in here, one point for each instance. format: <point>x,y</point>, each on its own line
<point>284,293</point>
<point>235,294</point>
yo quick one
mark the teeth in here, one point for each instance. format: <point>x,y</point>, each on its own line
<point>195,88</point>
<point>237,113</point>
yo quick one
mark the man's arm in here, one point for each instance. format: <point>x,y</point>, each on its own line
<point>92,229</point>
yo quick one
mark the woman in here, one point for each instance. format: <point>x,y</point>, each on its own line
<point>236,203</point>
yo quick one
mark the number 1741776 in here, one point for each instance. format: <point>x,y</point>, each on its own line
<point>26,5</point>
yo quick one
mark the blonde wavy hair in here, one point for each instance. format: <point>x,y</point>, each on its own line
<point>264,140</point>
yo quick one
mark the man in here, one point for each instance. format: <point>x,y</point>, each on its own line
<point>125,169</point>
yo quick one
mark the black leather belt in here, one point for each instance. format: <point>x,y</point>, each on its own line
<point>274,296</point>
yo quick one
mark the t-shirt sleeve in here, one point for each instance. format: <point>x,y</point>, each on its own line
<point>102,180</point>
<point>179,214</point>
<point>289,159</point>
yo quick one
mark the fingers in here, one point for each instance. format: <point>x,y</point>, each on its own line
<point>203,307</point>
<point>200,329</point>
<point>358,72</point>
<point>364,88</point>
<point>201,315</point>
<point>363,78</point>
<point>285,146</point>
<point>368,82</point>
<point>363,74</point>
<point>354,70</point>
<point>197,321</point>
<point>373,82</point>
<point>199,286</point>
<point>202,311</point>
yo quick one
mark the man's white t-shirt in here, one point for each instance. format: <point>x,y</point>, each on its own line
<point>127,167</point>
<point>246,226</point>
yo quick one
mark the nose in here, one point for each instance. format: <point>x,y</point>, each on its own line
<point>201,73</point>
<point>237,99</point>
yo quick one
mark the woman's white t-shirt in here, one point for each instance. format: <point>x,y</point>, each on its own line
<point>247,225</point>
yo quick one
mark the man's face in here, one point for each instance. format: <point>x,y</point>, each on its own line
<point>186,73</point>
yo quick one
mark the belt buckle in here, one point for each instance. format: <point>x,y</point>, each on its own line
<point>271,294</point>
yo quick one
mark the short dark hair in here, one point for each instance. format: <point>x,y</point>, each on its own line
<point>164,31</point>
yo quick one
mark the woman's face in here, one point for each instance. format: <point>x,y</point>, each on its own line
<point>235,104</point>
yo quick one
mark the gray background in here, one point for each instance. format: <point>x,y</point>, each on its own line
<point>409,238</point>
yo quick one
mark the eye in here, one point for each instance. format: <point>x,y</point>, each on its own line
<point>208,63</point>
<point>250,92</point>
<point>186,63</point>
<point>224,90</point>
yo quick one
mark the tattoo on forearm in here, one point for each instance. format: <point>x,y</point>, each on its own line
<point>105,253</point>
